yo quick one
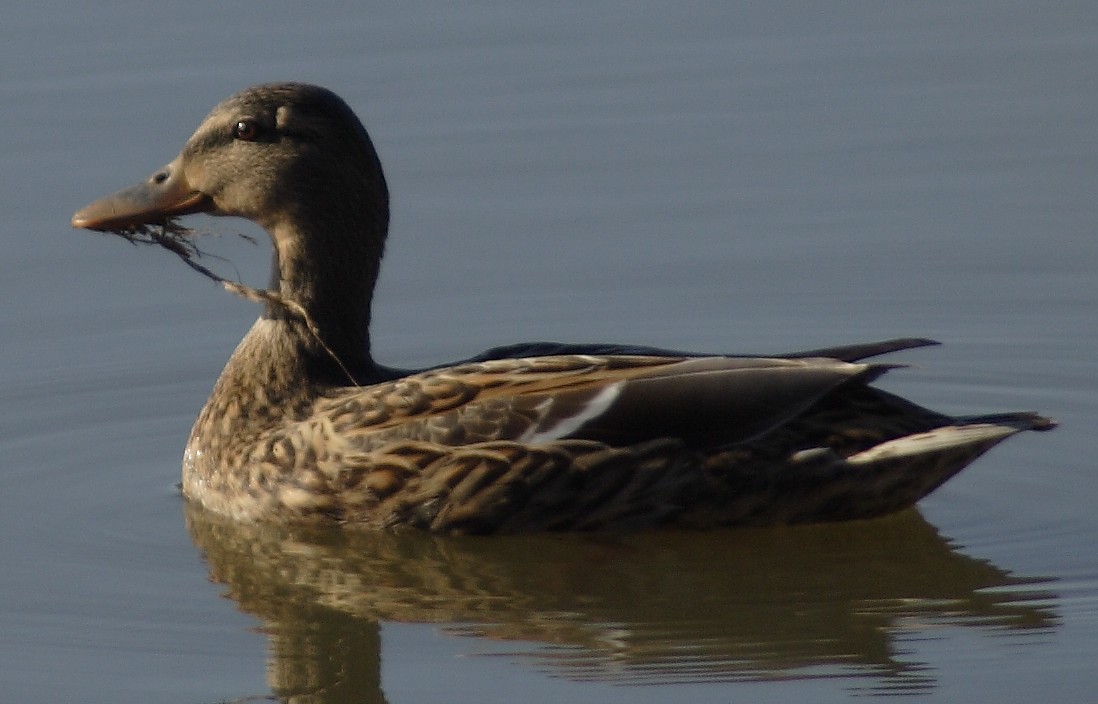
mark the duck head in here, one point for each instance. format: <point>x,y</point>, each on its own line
<point>295,159</point>
<point>266,154</point>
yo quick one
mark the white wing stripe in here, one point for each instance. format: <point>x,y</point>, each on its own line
<point>566,426</point>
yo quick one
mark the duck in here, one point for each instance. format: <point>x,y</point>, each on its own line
<point>304,426</point>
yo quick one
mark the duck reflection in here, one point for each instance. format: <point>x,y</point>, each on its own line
<point>813,601</point>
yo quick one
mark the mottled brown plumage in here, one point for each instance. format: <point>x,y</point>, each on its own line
<point>303,425</point>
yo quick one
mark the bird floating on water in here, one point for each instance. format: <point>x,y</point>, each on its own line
<point>304,426</point>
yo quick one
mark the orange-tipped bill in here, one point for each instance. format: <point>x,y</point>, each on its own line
<point>165,194</point>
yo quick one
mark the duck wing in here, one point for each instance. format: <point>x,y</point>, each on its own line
<point>617,400</point>
<point>543,443</point>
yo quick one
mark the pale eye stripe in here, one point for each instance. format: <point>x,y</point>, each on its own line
<point>564,427</point>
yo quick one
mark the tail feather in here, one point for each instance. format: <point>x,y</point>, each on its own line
<point>1022,420</point>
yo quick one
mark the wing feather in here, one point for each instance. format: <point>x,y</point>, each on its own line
<point>615,400</point>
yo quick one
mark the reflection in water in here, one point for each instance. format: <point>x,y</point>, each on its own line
<point>813,601</point>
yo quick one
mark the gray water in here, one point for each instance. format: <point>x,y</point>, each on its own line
<point>706,176</point>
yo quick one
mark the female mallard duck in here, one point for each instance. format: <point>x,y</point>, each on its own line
<point>303,425</point>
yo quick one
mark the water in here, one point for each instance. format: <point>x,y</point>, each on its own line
<point>699,176</point>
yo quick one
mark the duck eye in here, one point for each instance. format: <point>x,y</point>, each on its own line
<point>246,130</point>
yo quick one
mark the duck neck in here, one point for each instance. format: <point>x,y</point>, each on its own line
<point>329,268</point>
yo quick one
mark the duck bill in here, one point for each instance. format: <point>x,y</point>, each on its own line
<point>165,194</point>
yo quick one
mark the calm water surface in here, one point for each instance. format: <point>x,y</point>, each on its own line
<point>699,176</point>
